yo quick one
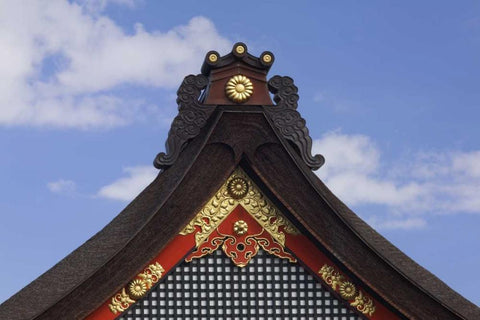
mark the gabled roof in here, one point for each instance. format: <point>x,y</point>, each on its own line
<point>211,137</point>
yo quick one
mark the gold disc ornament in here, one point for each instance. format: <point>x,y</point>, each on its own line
<point>137,288</point>
<point>239,88</point>
<point>240,227</point>
<point>348,290</point>
<point>237,188</point>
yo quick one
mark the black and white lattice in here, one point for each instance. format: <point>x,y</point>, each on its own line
<point>212,287</point>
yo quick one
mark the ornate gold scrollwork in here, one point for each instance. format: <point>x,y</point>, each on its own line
<point>363,304</point>
<point>347,290</point>
<point>222,203</point>
<point>137,288</point>
<point>120,302</point>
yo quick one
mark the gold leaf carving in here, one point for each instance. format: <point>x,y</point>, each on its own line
<point>363,304</point>
<point>152,274</point>
<point>122,300</point>
<point>222,203</point>
<point>331,277</point>
<point>347,290</point>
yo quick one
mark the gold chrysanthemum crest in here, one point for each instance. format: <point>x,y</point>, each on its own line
<point>347,290</point>
<point>137,288</point>
<point>239,88</point>
<point>237,188</point>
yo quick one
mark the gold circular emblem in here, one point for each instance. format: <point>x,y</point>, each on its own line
<point>239,88</point>
<point>137,289</point>
<point>237,188</point>
<point>267,58</point>
<point>347,290</point>
<point>212,57</point>
<point>240,49</point>
<point>240,227</point>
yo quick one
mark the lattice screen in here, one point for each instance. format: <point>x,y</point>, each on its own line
<point>212,287</point>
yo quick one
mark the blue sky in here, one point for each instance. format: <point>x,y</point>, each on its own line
<point>389,91</point>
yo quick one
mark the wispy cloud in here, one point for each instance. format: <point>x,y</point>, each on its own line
<point>127,188</point>
<point>431,183</point>
<point>62,186</point>
<point>60,61</point>
<point>351,170</point>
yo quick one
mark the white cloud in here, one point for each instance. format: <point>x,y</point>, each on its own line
<point>351,170</point>
<point>59,62</point>
<point>348,153</point>
<point>127,188</point>
<point>467,164</point>
<point>62,186</point>
<point>452,180</point>
<point>431,183</point>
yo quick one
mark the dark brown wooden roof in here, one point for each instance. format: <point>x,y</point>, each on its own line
<point>200,156</point>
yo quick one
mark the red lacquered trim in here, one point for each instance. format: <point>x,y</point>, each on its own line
<point>173,253</point>
<point>303,249</point>
<point>314,259</point>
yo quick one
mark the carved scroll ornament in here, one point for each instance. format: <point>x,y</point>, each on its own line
<point>192,116</point>
<point>288,120</point>
<point>239,244</point>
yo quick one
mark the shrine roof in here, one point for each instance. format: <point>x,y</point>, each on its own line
<point>206,143</point>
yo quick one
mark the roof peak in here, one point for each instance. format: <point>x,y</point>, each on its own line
<point>239,52</point>
<point>238,80</point>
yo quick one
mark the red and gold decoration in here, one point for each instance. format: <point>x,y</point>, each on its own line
<point>240,227</point>
<point>239,190</point>
<point>240,220</point>
<point>137,288</point>
<point>347,290</point>
<point>240,236</point>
